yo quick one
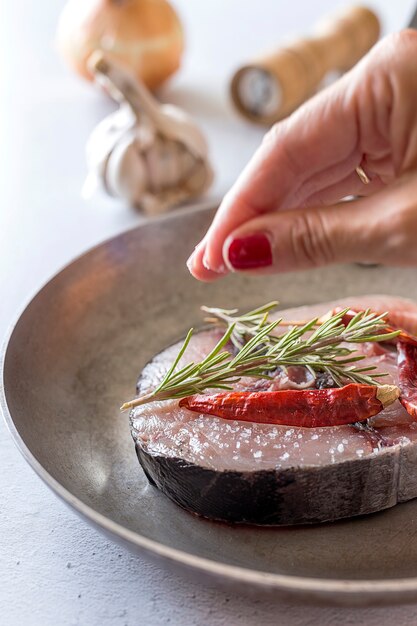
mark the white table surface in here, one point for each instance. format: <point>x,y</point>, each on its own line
<point>54,569</point>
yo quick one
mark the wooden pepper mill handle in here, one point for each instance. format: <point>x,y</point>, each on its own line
<point>274,85</point>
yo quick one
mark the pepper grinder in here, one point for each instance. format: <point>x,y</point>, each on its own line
<point>274,85</point>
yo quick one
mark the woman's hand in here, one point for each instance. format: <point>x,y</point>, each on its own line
<point>284,212</point>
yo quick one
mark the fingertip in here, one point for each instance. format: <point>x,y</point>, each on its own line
<point>201,273</point>
<point>196,257</point>
<point>212,258</point>
<point>224,221</point>
<point>197,268</point>
<point>219,267</point>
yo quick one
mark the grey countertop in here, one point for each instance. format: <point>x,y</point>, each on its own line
<point>54,568</point>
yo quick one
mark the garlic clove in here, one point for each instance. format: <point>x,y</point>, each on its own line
<point>126,172</point>
<point>163,164</point>
<point>106,135</point>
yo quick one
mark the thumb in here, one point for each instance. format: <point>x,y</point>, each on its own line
<point>378,229</point>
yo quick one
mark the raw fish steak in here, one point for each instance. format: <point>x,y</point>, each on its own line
<point>245,472</point>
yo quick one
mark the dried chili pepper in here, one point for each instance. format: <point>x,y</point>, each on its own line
<point>407,376</point>
<point>308,408</point>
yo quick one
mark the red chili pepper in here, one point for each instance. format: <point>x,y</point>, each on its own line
<point>407,380</point>
<point>293,407</point>
<point>404,336</point>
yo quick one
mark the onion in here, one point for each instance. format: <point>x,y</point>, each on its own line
<point>145,35</point>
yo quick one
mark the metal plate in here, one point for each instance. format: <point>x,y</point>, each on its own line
<point>74,355</point>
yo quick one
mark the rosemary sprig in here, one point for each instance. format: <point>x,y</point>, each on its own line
<point>261,350</point>
<point>245,326</point>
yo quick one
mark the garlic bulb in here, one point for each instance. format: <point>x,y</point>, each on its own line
<point>145,35</point>
<point>152,155</point>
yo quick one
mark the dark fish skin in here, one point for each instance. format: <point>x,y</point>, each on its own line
<point>289,496</point>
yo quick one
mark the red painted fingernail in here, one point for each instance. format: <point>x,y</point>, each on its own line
<point>250,252</point>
